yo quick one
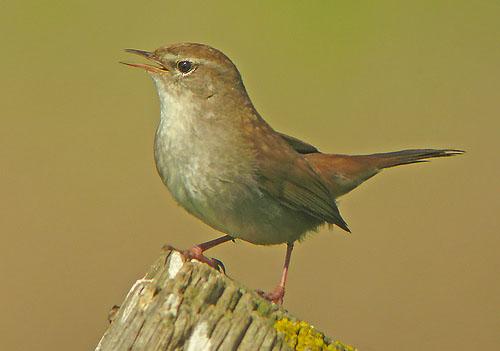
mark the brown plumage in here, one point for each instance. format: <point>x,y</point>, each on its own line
<point>343,173</point>
<point>225,165</point>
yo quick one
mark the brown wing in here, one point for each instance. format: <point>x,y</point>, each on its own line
<point>288,177</point>
<point>298,145</point>
<point>342,173</point>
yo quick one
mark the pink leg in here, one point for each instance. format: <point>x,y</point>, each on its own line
<point>278,293</point>
<point>196,252</point>
<point>209,244</point>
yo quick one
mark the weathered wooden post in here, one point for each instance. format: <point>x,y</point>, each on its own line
<point>189,306</point>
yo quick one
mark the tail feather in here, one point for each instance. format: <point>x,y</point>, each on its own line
<point>342,173</point>
<point>405,157</point>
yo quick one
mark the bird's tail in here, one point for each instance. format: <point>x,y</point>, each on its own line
<point>405,157</point>
<point>342,173</point>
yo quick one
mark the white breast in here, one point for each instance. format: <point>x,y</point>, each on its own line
<point>198,156</point>
<point>210,169</point>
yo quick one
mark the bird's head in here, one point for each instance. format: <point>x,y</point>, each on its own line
<point>190,69</point>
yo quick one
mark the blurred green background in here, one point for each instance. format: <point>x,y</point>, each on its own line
<point>83,213</point>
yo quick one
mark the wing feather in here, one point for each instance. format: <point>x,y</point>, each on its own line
<point>287,176</point>
<point>298,145</point>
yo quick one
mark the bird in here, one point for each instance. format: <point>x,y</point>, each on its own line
<point>224,164</point>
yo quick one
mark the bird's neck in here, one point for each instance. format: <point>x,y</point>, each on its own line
<point>200,135</point>
<point>191,122</point>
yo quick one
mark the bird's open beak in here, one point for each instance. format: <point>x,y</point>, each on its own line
<point>149,56</point>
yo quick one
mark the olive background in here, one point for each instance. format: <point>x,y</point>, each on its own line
<point>83,213</point>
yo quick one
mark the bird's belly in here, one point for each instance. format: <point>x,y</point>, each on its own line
<point>265,221</point>
<point>217,184</point>
<point>233,205</point>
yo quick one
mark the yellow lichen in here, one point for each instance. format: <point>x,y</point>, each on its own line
<point>301,336</point>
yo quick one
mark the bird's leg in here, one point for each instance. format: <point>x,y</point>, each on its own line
<point>196,252</point>
<point>278,293</point>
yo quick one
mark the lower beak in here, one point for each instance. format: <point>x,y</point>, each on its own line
<point>149,56</point>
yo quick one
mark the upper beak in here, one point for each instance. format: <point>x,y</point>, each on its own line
<point>149,56</point>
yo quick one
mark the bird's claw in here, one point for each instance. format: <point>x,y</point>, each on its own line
<point>276,296</point>
<point>220,265</point>
<point>196,253</point>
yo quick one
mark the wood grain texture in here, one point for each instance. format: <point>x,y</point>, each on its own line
<point>189,306</point>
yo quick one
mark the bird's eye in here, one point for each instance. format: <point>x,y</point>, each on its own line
<point>184,66</point>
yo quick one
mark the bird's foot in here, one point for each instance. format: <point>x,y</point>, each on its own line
<point>276,296</point>
<point>196,253</point>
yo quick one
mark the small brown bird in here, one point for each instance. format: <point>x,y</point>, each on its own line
<point>225,165</point>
